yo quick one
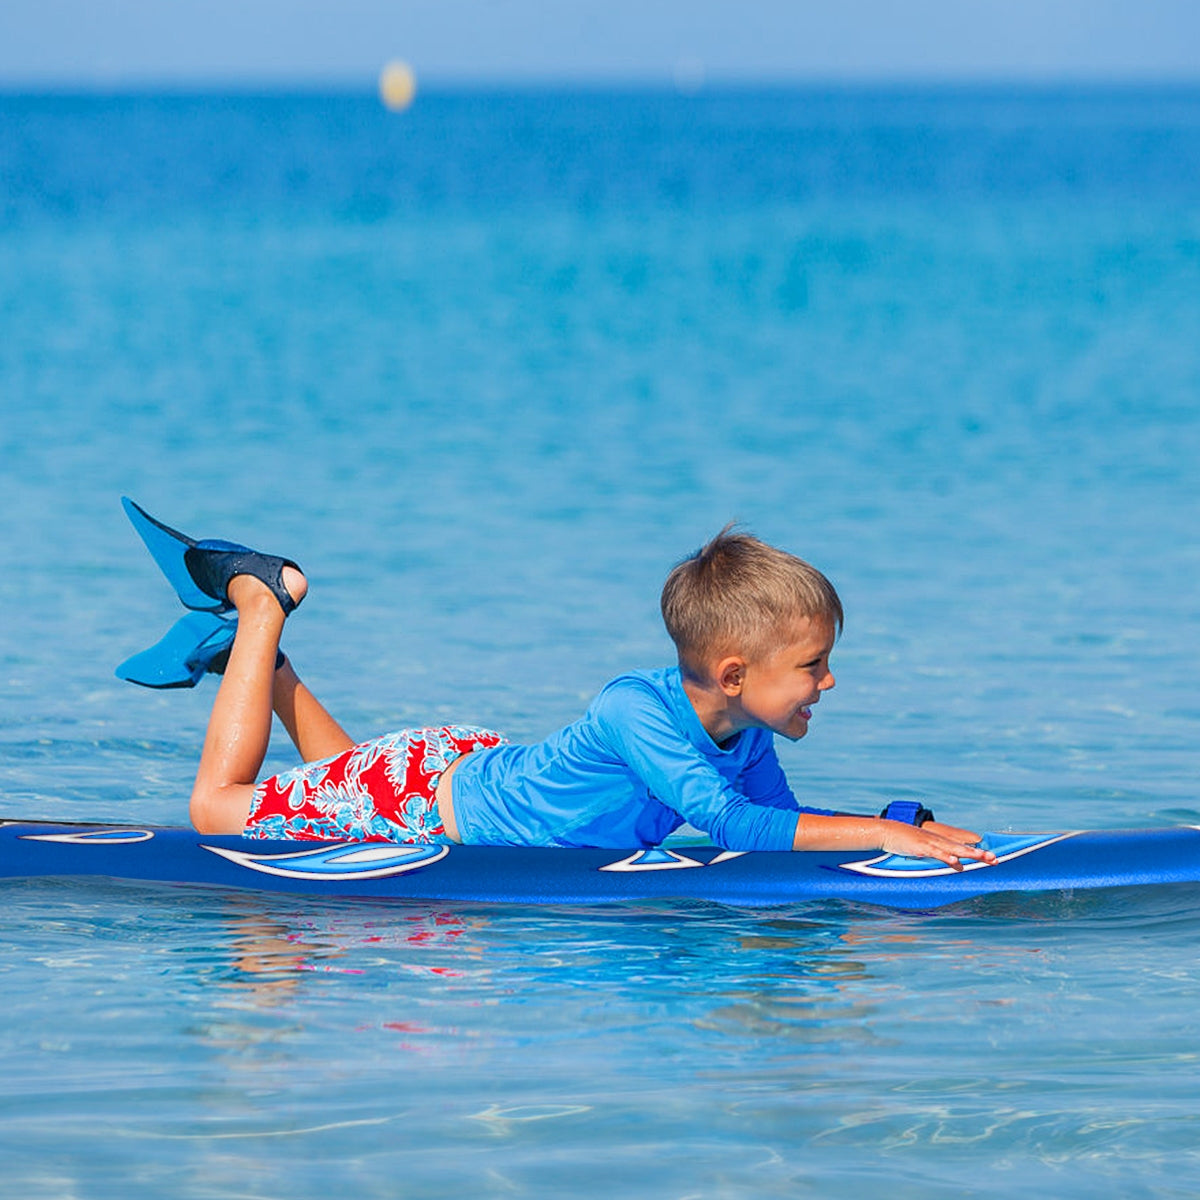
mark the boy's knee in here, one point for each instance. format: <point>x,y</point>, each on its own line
<point>201,812</point>
<point>219,810</point>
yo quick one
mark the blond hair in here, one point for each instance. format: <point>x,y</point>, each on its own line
<point>739,595</point>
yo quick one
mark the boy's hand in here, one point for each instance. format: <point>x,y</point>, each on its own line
<point>946,843</point>
<point>953,832</point>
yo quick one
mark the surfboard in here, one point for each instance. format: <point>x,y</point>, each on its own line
<point>1026,862</point>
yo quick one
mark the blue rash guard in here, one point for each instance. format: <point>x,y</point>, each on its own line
<point>634,767</point>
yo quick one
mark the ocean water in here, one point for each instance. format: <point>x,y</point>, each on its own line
<point>488,369</point>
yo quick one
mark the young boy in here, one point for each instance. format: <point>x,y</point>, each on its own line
<point>754,628</point>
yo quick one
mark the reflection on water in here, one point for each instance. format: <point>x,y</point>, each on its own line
<point>269,954</point>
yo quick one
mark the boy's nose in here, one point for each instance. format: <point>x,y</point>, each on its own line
<point>827,682</point>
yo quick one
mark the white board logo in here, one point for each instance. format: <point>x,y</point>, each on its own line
<point>343,860</point>
<point>658,859</point>
<point>92,837</point>
<point>1006,847</point>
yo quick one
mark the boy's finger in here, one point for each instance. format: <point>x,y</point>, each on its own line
<point>979,853</point>
<point>951,860</point>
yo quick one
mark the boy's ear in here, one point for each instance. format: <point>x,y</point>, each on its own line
<point>731,674</point>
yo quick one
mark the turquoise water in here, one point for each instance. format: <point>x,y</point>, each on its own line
<point>488,369</point>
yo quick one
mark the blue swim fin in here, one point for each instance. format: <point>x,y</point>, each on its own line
<point>167,547</point>
<point>200,571</point>
<point>184,655</point>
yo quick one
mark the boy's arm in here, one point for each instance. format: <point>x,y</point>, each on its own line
<point>763,780</point>
<point>641,733</point>
<point>946,843</point>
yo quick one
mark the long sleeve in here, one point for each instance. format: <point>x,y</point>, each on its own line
<point>764,782</point>
<point>645,736</point>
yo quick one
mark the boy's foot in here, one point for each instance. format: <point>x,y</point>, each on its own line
<point>215,565</point>
<point>246,588</point>
<point>201,571</point>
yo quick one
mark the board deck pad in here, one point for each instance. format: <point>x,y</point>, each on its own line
<point>383,870</point>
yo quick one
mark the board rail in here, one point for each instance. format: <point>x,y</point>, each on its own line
<point>1027,862</point>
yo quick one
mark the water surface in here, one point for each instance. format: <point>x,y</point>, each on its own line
<point>488,369</point>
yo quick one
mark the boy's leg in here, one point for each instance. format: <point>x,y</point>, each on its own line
<point>315,734</point>
<point>239,728</point>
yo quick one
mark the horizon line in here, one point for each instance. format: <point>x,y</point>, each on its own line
<point>446,82</point>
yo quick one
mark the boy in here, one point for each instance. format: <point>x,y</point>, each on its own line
<point>754,628</point>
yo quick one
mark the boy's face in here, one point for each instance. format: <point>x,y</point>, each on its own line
<point>779,691</point>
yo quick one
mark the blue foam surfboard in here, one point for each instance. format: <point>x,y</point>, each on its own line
<point>1038,862</point>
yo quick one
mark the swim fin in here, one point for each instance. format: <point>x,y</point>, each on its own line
<point>184,655</point>
<point>200,571</point>
<point>167,547</point>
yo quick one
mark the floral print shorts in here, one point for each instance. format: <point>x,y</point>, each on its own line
<point>381,791</point>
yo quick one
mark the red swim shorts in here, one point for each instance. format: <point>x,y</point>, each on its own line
<point>381,791</point>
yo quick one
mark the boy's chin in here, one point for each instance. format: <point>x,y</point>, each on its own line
<point>792,733</point>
